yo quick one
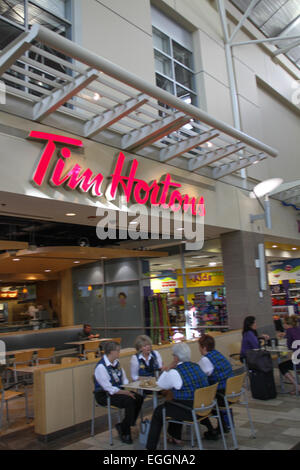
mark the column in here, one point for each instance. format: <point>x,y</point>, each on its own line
<point>240,249</point>
<point>67,310</point>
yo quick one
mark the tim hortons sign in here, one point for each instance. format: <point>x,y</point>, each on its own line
<point>165,193</point>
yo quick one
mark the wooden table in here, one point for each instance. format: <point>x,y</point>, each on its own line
<point>137,386</point>
<point>79,343</point>
<point>12,353</point>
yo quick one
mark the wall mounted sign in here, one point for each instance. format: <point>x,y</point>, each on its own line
<point>163,193</point>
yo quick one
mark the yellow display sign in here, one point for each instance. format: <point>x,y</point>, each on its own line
<point>202,279</point>
<point>166,284</point>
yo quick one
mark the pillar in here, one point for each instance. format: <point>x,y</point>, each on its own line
<point>67,310</point>
<point>240,249</point>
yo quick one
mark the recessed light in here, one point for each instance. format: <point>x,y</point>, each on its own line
<point>47,270</point>
<point>294,248</point>
<point>212,264</point>
<point>133,223</point>
<point>76,262</point>
<point>70,214</point>
<point>97,96</point>
<point>16,259</point>
<point>274,246</point>
<point>180,229</point>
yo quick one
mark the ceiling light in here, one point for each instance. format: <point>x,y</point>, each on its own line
<point>76,262</point>
<point>97,96</point>
<point>202,256</point>
<point>16,259</point>
<point>294,248</point>
<point>266,187</point>
<point>70,214</point>
<point>212,264</point>
<point>209,144</point>
<point>103,257</point>
<point>274,246</point>
<point>180,229</point>
<point>133,223</point>
<point>47,270</point>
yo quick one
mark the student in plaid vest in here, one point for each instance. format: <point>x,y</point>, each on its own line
<point>109,378</point>
<point>183,377</point>
<point>217,369</point>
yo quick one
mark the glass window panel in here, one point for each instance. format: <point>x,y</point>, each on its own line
<point>13,10</point>
<point>163,64</point>
<point>182,55</point>
<point>38,16</point>
<point>58,7</point>
<point>7,33</point>
<point>89,304</point>
<point>161,41</point>
<point>185,95</point>
<point>183,76</point>
<point>165,84</point>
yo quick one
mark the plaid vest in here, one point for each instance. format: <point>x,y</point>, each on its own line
<point>222,369</point>
<point>148,370</point>
<point>192,378</point>
<point>115,374</point>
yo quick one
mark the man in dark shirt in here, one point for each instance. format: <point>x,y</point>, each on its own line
<point>87,333</point>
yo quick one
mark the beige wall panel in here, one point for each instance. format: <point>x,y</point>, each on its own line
<point>59,400</point>
<point>133,50</point>
<point>212,58</point>
<point>280,128</point>
<point>246,81</point>
<point>218,100</point>
<point>134,11</point>
<point>280,80</point>
<point>83,393</point>
<point>251,118</point>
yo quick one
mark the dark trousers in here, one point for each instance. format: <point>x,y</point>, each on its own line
<point>132,407</point>
<point>174,429</point>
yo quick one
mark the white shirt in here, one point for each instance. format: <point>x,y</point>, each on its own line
<point>134,364</point>
<point>170,379</point>
<point>206,365</point>
<point>103,378</point>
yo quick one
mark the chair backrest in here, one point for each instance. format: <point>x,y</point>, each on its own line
<point>204,397</point>
<point>91,346</point>
<point>1,385</point>
<point>44,356</point>
<point>23,358</point>
<point>234,386</point>
<point>90,356</point>
<point>69,360</point>
<point>117,340</point>
<point>234,348</point>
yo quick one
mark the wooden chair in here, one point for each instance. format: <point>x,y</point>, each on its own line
<point>117,340</point>
<point>90,356</point>
<point>7,395</point>
<point>45,356</point>
<point>109,407</point>
<point>69,360</point>
<point>91,346</point>
<point>22,359</point>
<point>233,395</point>
<point>203,407</point>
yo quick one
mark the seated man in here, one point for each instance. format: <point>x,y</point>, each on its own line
<point>87,333</point>
<point>183,377</point>
<point>218,369</point>
<point>109,378</point>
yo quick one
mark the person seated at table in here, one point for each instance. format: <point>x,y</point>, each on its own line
<point>217,369</point>
<point>109,379</point>
<point>183,377</point>
<point>145,363</point>
<point>250,337</point>
<point>290,324</point>
<point>86,333</point>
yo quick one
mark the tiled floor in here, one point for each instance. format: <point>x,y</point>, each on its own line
<point>277,424</point>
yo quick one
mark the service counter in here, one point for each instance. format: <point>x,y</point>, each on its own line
<point>63,394</point>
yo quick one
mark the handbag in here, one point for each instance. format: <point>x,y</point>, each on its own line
<point>259,360</point>
<point>144,431</point>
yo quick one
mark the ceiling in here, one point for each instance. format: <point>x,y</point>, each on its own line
<point>277,18</point>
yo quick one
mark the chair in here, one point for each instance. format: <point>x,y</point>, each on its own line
<point>7,395</point>
<point>45,356</point>
<point>22,359</point>
<point>109,407</point>
<point>90,356</point>
<point>233,393</point>
<point>203,407</point>
<point>69,360</point>
<point>117,340</point>
<point>90,346</point>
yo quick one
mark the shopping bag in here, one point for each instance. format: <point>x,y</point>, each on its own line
<point>144,431</point>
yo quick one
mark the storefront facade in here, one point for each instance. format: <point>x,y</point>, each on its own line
<point>45,143</point>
